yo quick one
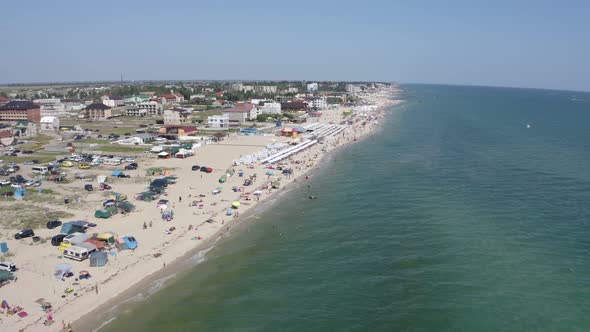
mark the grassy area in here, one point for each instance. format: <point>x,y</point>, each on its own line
<point>93,141</point>
<point>23,215</point>
<point>118,148</point>
<point>43,158</point>
<point>46,196</point>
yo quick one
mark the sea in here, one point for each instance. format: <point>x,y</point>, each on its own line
<point>468,210</point>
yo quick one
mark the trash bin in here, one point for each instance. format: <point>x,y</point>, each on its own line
<point>66,200</point>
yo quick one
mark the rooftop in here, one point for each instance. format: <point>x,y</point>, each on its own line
<point>19,105</point>
<point>97,106</point>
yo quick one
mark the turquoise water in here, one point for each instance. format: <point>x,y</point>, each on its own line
<point>454,217</point>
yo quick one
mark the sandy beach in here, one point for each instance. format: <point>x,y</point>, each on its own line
<point>160,254</point>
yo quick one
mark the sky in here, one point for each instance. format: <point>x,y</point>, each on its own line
<point>536,44</point>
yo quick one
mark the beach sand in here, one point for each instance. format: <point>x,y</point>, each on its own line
<point>158,254</point>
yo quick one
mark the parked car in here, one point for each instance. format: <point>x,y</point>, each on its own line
<point>196,167</point>
<point>7,266</point>
<point>53,224</point>
<point>16,168</point>
<point>27,152</point>
<point>27,232</point>
<point>56,240</point>
<point>88,187</point>
<point>123,175</point>
<point>131,166</point>
<point>4,182</point>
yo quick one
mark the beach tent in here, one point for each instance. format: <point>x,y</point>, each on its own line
<point>4,277</point>
<point>116,173</point>
<point>235,204</point>
<point>62,269</point>
<point>107,237</point>
<point>102,213</point>
<point>223,178</point>
<point>126,206</point>
<point>96,242</point>
<point>156,190</point>
<point>146,196</point>
<point>101,179</point>
<point>117,197</point>
<point>159,183</point>
<point>163,155</point>
<point>168,215</point>
<point>98,259</point>
<point>73,227</point>
<point>299,129</point>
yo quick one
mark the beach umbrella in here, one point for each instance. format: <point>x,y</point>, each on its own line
<point>235,204</point>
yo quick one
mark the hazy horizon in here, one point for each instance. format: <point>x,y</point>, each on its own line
<point>524,44</point>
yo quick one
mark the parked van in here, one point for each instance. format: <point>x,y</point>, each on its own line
<point>40,170</point>
<point>115,161</point>
<point>75,238</point>
<point>79,252</point>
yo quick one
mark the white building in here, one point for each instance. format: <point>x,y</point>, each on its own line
<point>270,108</point>
<point>312,87</point>
<point>49,123</point>
<point>113,101</point>
<point>51,107</point>
<point>353,89</point>
<point>153,108</point>
<point>218,121</point>
<point>177,116</point>
<point>317,103</point>
<point>73,105</point>
<point>135,111</point>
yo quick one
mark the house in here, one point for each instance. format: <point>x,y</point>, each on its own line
<point>294,106</point>
<point>138,139</point>
<point>20,110</point>
<point>25,128</point>
<point>150,108</point>
<point>312,87</point>
<point>172,98</point>
<point>4,100</point>
<point>51,107</point>
<point>269,107</point>
<point>136,99</point>
<point>113,101</point>
<point>218,121</point>
<point>49,123</point>
<point>73,105</point>
<point>177,116</point>
<point>240,113</point>
<point>317,103</point>
<point>177,131</point>
<point>97,111</point>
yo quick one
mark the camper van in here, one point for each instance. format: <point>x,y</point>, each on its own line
<point>75,238</point>
<point>115,161</point>
<point>79,252</point>
<point>40,170</point>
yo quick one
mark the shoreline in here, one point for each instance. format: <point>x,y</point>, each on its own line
<point>149,274</point>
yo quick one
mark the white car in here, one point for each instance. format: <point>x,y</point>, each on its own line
<point>129,160</point>
<point>4,183</point>
<point>7,266</point>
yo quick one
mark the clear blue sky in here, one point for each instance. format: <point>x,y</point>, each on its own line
<point>544,44</point>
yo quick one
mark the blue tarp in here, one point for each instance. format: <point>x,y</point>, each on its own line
<point>116,173</point>
<point>19,193</point>
<point>3,247</point>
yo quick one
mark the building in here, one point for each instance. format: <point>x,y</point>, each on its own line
<point>293,106</point>
<point>97,111</point>
<point>312,87</point>
<point>25,128</point>
<point>51,107</point>
<point>218,121</point>
<point>136,99</point>
<point>352,89</point>
<point>283,99</point>
<point>174,132</point>
<point>113,101</point>
<point>151,108</point>
<point>172,98</point>
<point>4,100</point>
<point>49,123</point>
<point>240,113</point>
<point>254,88</point>
<point>177,116</point>
<point>20,110</point>
<point>317,103</point>
<point>269,107</point>
<point>73,105</point>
